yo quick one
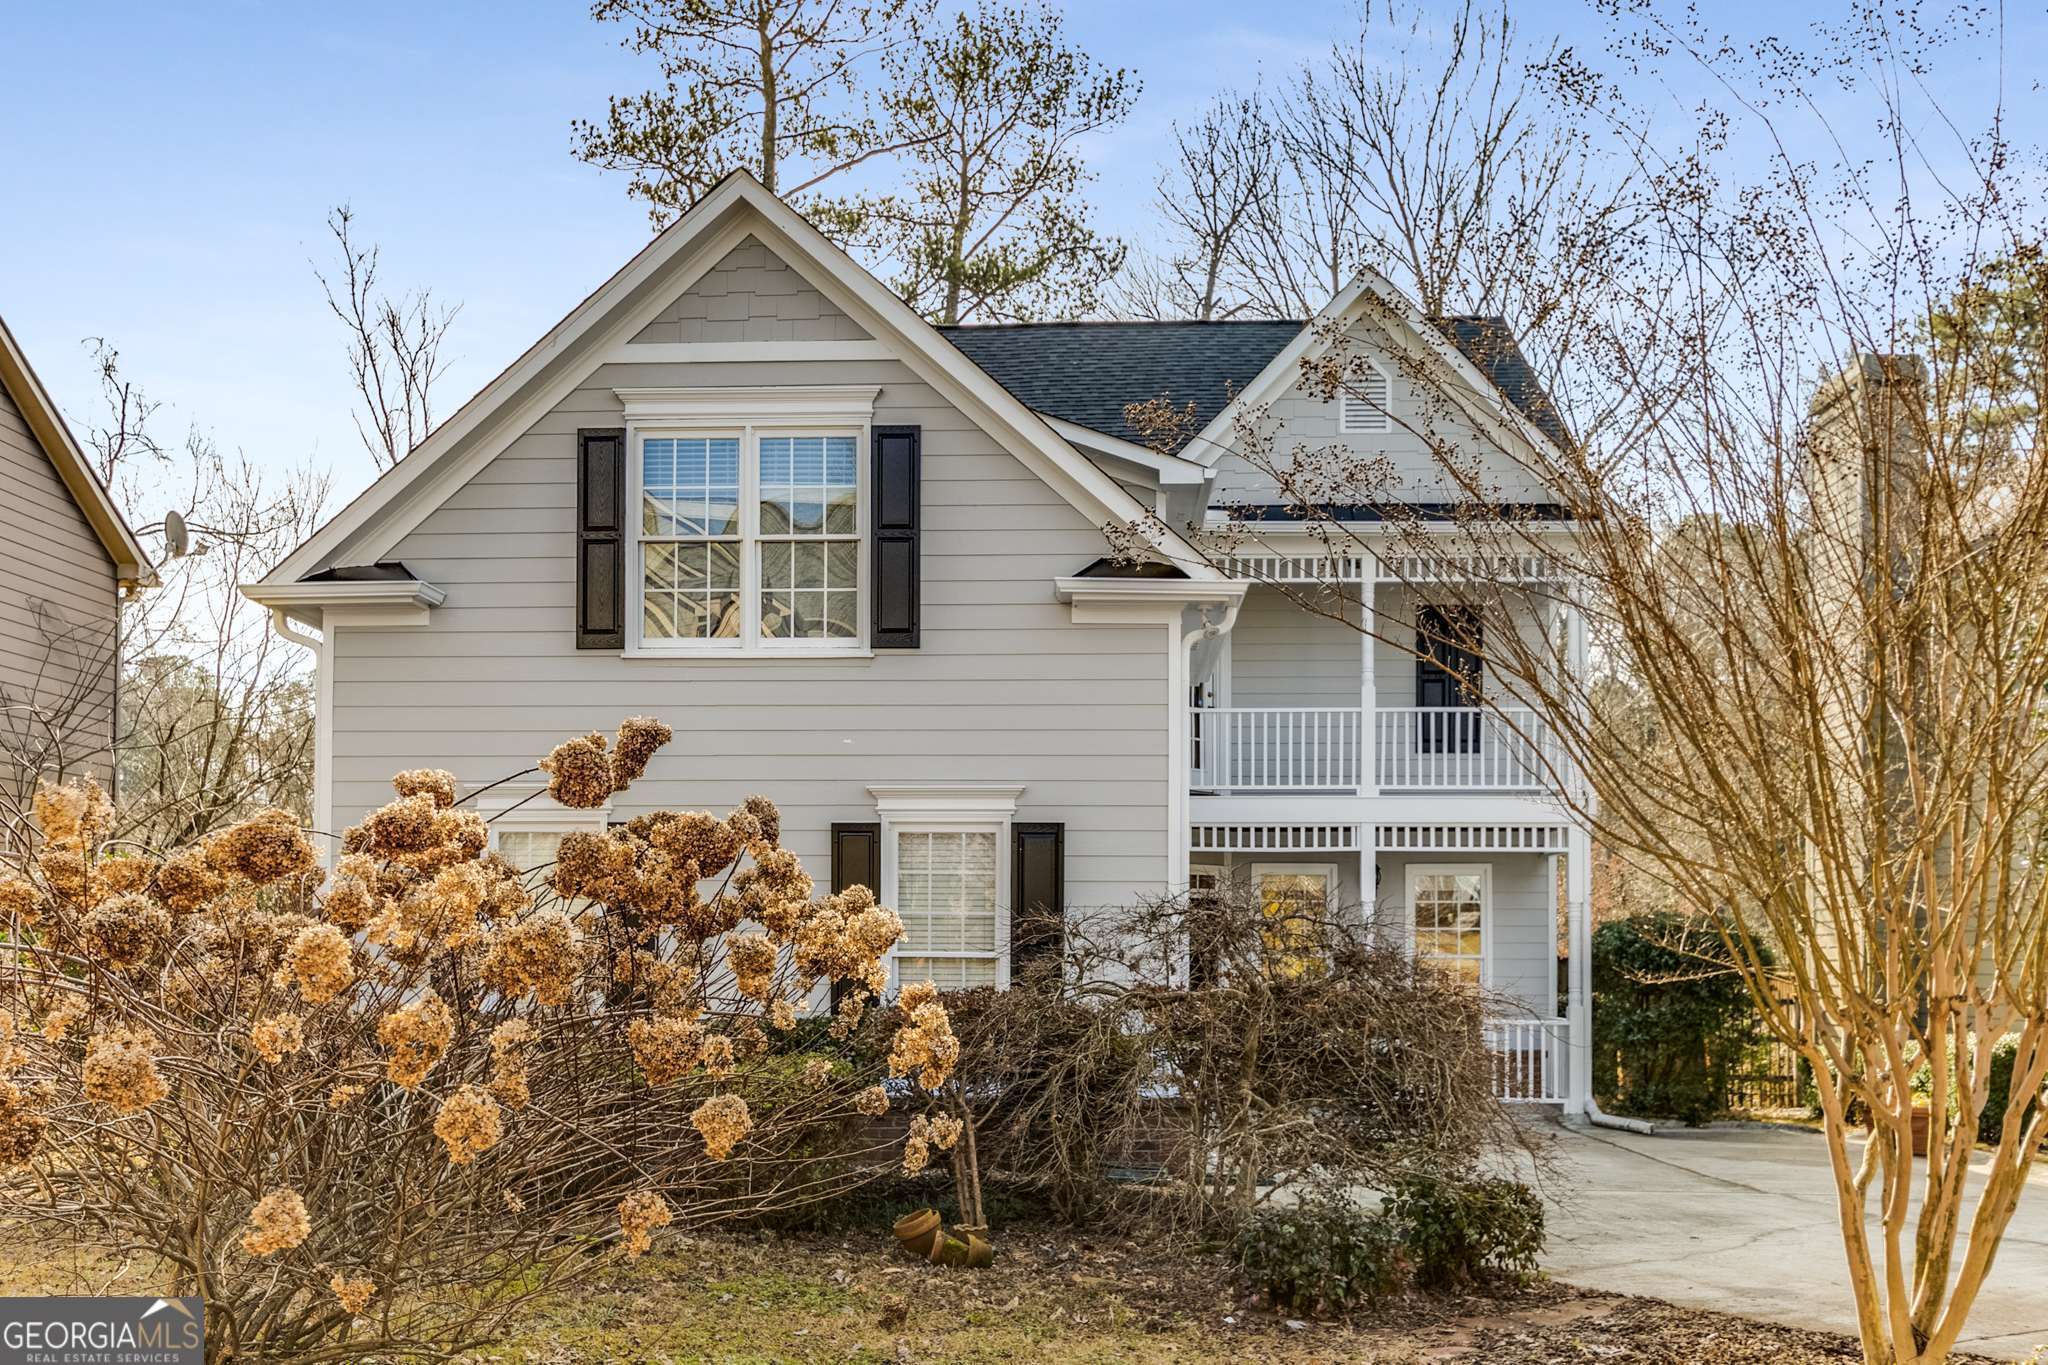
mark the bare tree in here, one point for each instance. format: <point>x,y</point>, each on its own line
<point>1808,566</point>
<point>771,86</point>
<point>214,713</point>
<point>989,224</point>
<point>1207,197</point>
<point>394,345</point>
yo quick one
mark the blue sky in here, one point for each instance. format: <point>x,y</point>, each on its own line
<point>170,165</point>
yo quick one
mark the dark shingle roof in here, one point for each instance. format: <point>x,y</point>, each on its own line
<point>1088,372</point>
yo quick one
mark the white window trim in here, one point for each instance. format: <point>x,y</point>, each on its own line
<point>542,814</point>
<point>1328,872</point>
<point>749,414</point>
<point>1485,871</point>
<point>955,809</point>
<point>1372,419</point>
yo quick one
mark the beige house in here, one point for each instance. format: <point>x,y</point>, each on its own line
<point>859,564</point>
<point>66,557</point>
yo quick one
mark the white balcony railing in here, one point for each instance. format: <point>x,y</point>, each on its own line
<point>1464,749</point>
<point>1528,1059</point>
<point>1275,748</point>
<point>1415,748</point>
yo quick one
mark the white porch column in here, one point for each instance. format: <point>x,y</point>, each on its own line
<point>1578,1010</point>
<point>1578,881</point>
<point>1368,685</point>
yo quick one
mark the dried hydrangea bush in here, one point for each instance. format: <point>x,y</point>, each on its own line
<point>370,1111</point>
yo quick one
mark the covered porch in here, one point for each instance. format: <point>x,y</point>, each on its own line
<point>1485,901</point>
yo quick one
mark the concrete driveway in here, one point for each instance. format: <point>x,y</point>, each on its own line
<point>1743,1221</point>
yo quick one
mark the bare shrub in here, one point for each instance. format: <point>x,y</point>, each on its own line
<point>1216,1055</point>
<point>375,1116</point>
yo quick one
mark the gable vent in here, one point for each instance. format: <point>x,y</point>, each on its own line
<point>1365,410</point>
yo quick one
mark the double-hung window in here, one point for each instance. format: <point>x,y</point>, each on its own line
<point>749,520</point>
<point>946,882</point>
<point>1448,909</point>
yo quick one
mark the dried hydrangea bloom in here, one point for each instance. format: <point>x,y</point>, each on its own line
<point>267,847</point>
<point>782,1016</point>
<point>766,816</point>
<point>322,963</point>
<point>940,1130</point>
<point>57,1023</point>
<point>639,1215</point>
<point>752,959</point>
<point>717,1056</point>
<point>846,1018</point>
<point>925,1042</point>
<point>775,893</point>
<point>20,901</point>
<point>469,1123</point>
<point>397,827</point>
<point>665,1047</point>
<point>432,782</point>
<point>695,836</point>
<point>277,1223</point>
<point>276,1036</point>
<point>873,1101</point>
<point>11,1055</point>
<point>21,1127</point>
<point>75,815</point>
<point>351,900</point>
<point>917,1153</point>
<point>639,738</point>
<point>542,954</point>
<point>120,876</point>
<point>352,1292</point>
<point>591,867</point>
<point>723,1120</point>
<point>342,1095</point>
<point>579,772</point>
<point>124,931</point>
<point>456,836</point>
<point>817,1071</point>
<point>415,1034</point>
<point>67,873</point>
<point>120,1070</point>
<point>186,882</point>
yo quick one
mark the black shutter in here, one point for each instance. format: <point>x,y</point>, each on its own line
<point>895,549</point>
<point>1038,898</point>
<point>856,861</point>
<point>600,539</point>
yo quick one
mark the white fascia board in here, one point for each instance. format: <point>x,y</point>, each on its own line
<point>391,602</point>
<point>1212,442</point>
<point>1169,469</point>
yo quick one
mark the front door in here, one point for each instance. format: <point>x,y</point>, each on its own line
<point>1448,641</point>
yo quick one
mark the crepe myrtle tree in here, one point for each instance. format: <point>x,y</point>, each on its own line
<point>371,1113</point>
<point>1808,549</point>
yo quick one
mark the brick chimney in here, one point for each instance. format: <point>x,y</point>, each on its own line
<point>1866,428</point>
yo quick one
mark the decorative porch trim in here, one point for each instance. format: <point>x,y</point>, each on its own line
<point>1464,568</point>
<point>1469,838</point>
<point>1312,568</point>
<point>1273,838</point>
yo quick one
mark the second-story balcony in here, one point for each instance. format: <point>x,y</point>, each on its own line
<point>1299,749</point>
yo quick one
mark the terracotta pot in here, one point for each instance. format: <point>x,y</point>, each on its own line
<point>1922,1119</point>
<point>919,1232</point>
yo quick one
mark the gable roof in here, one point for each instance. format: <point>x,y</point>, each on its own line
<point>1087,372</point>
<point>368,528</point>
<point>132,567</point>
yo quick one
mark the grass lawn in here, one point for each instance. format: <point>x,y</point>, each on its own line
<point>1051,1296</point>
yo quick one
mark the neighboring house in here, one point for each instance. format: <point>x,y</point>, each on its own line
<point>859,564</point>
<point>66,557</point>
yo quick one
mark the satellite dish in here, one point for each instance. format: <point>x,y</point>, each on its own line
<point>176,542</point>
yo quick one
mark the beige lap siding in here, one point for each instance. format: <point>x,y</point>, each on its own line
<point>58,596</point>
<point>1005,688</point>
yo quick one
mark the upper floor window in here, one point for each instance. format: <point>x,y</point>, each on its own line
<point>749,538</point>
<point>1366,402</point>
